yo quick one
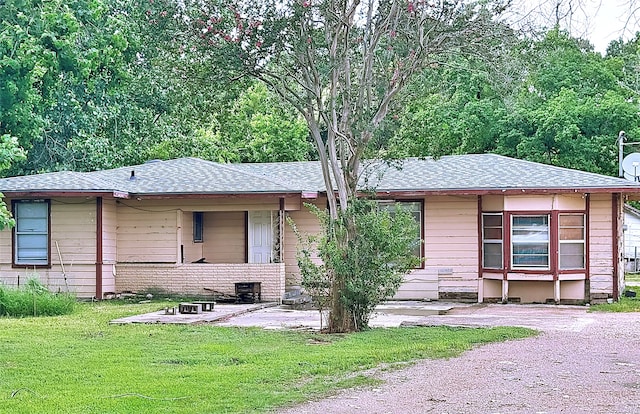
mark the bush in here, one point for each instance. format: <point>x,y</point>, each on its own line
<point>364,254</point>
<point>34,299</point>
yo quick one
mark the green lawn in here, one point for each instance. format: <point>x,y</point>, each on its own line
<point>632,277</point>
<point>623,305</point>
<point>81,364</point>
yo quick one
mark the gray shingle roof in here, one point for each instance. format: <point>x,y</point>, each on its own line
<point>475,172</point>
<point>490,171</point>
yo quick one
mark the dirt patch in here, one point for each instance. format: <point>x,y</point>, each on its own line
<point>580,363</point>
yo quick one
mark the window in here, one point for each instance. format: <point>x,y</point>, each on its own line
<point>530,242</point>
<point>31,233</point>
<point>571,241</point>
<point>492,241</point>
<point>198,227</point>
<point>415,209</point>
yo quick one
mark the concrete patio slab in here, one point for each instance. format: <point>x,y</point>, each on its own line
<point>541,317</point>
<point>220,312</point>
<point>388,314</point>
<point>273,316</point>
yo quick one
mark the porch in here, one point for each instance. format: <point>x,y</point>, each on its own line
<point>201,279</point>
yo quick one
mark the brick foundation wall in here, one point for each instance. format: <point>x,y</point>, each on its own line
<point>192,279</point>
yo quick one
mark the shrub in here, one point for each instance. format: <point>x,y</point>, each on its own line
<point>35,299</point>
<point>364,255</point>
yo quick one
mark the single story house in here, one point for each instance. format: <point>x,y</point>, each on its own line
<point>493,228</point>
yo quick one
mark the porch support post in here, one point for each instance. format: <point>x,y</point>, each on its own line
<point>99,261</point>
<point>615,228</point>
<point>281,231</point>
<point>505,291</point>
<point>480,252</point>
<point>556,290</point>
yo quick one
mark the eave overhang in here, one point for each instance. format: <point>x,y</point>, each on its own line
<point>508,191</point>
<point>158,196</point>
<point>64,193</point>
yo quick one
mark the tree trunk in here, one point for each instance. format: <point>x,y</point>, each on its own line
<point>340,317</point>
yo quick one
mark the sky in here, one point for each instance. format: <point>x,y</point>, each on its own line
<point>608,23</point>
<point>600,21</point>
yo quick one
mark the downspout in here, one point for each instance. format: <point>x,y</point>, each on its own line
<point>281,224</point>
<point>480,251</point>
<point>99,248</point>
<point>587,249</point>
<point>615,207</point>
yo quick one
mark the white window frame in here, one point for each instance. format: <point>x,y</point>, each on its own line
<point>572,241</point>
<point>486,241</point>
<point>534,241</point>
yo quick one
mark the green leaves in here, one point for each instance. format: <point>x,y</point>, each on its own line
<point>262,129</point>
<point>553,101</point>
<point>365,254</point>
<point>10,152</point>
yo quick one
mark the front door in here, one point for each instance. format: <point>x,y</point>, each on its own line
<point>260,237</point>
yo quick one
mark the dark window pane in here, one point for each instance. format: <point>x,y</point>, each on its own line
<point>571,220</point>
<point>492,220</point>
<point>572,256</point>
<point>530,248</point>
<point>571,234</point>
<point>493,234</point>
<point>198,227</point>
<point>530,260</point>
<point>492,258</point>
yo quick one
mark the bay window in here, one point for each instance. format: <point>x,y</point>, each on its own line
<point>550,241</point>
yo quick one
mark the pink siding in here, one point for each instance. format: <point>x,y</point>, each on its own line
<point>451,244</point>
<point>223,237</point>
<point>109,246</point>
<point>600,246</point>
<point>307,223</point>
<point>147,236</point>
<point>73,234</point>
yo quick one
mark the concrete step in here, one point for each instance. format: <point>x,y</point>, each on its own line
<point>298,302</point>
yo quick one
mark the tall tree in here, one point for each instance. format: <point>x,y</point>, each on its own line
<point>93,84</point>
<point>341,64</point>
<point>570,107</point>
<point>10,151</point>
<point>564,105</point>
<point>261,129</point>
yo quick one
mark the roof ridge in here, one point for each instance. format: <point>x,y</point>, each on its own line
<point>95,178</point>
<point>262,177</point>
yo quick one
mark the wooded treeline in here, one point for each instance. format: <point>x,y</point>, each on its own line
<point>93,84</point>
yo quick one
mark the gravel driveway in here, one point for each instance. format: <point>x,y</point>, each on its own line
<point>580,363</point>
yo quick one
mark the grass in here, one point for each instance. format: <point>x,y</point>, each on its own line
<point>623,305</point>
<point>79,363</point>
<point>34,299</point>
<point>632,277</point>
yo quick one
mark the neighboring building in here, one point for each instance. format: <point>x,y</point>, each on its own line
<point>631,242</point>
<point>494,228</point>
